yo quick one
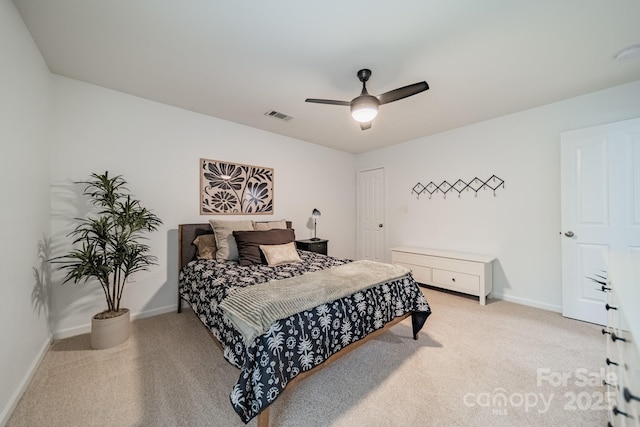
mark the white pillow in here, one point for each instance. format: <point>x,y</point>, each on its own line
<point>270,225</point>
<point>226,243</point>
<point>280,254</point>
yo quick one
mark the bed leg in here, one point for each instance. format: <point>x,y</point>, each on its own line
<point>263,418</point>
<point>179,303</point>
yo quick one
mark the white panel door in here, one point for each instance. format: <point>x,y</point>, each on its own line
<point>600,210</point>
<point>371,205</point>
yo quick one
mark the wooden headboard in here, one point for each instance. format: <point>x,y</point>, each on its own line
<point>187,233</point>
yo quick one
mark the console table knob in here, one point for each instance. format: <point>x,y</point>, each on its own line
<point>628,396</point>
<point>610,362</point>
<point>617,411</point>
<point>615,338</point>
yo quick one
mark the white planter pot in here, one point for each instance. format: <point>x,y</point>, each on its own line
<point>107,333</point>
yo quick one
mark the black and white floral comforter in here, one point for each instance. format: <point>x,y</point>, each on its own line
<point>297,343</point>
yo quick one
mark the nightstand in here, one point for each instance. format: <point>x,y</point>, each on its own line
<point>318,246</point>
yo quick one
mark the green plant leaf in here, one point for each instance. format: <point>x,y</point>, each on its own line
<point>107,244</point>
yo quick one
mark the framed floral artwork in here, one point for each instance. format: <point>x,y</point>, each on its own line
<point>235,189</point>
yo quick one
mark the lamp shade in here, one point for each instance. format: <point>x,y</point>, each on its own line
<point>364,108</point>
<point>315,214</point>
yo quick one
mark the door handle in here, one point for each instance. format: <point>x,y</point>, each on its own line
<point>569,234</point>
<point>380,225</point>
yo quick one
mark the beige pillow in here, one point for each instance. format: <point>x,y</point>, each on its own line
<point>223,230</point>
<point>270,225</point>
<point>280,254</point>
<point>206,244</point>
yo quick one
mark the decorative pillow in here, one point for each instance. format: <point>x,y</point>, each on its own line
<point>270,225</point>
<point>223,230</point>
<point>280,254</point>
<point>249,242</point>
<point>206,244</point>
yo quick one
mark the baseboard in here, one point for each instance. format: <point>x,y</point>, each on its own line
<point>85,329</point>
<point>529,302</point>
<point>17,394</point>
<point>72,332</point>
<point>154,312</point>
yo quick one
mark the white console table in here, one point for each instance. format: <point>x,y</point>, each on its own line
<point>457,271</point>
<point>623,332</point>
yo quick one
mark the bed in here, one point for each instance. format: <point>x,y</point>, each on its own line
<point>293,347</point>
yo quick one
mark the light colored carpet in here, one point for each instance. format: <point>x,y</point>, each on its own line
<point>171,373</point>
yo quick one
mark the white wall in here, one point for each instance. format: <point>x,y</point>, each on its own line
<point>521,224</point>
<point>157,149</point>
<point>24,210</point>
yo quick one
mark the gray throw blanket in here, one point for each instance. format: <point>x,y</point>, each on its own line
<point>254,308</point>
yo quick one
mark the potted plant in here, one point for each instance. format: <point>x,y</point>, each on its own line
<point>108,248</point>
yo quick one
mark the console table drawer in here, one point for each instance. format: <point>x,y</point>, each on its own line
<point>405,258</point>
<point>456,271</point>
<point>457,281</point>
<point>421,274</point>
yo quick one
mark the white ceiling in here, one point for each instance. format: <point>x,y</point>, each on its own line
<point>239,59</point>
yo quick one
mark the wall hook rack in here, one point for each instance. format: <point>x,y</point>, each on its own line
<point>459,186</point>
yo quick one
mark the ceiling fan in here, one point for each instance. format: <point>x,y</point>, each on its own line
<point>364,108</point>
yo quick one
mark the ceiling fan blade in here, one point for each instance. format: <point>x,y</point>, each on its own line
<point>365,125</point>
<point>328,101</point>
<point>403,92</point>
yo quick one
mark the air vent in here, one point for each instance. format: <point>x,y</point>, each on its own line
<point>278,115</point>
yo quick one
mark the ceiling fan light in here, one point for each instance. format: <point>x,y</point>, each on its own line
<point>364,108</point>
<point>364,114</point>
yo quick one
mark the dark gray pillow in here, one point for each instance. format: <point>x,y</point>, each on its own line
<point>249,242</point>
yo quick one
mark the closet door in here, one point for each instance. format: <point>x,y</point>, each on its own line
<point>371,215</point>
